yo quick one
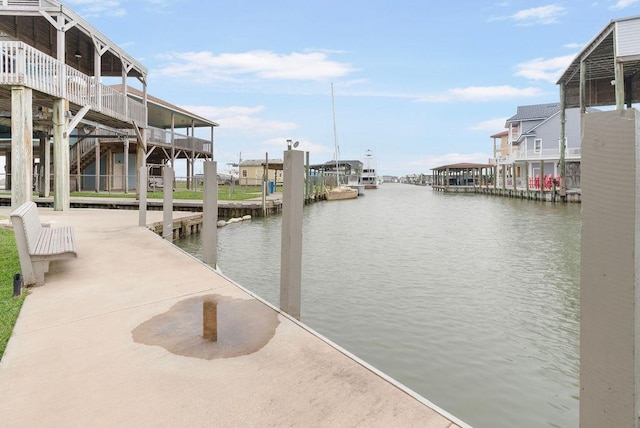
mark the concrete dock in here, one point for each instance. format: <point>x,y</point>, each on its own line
<point>114,338</point>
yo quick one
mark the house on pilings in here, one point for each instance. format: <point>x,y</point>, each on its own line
<point>56,108</point>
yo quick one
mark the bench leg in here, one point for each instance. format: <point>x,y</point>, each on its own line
<point>28,277</point>
<point>39,269</point>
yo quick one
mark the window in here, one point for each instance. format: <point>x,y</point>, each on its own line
<point>537,145</point>
<point>244,172</point>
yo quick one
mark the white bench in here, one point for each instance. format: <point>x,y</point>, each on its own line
<point>38,244</point>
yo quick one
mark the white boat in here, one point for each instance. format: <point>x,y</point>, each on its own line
<point>368,177</point>
<point>340,191</point>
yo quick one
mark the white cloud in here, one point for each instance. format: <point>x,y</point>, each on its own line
<point>205,65</point>
<point>621,4</point>
<point>535,16</point>
<point>242,118</point>
<point>481,94</point>
<point>548,70</point>
<point>492,125</point>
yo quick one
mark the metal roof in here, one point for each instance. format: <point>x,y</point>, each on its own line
<point>160,111</point>
<point>462,165</point>
<point>535,112</point>
<point>615,44</point>
<point>331,165</point>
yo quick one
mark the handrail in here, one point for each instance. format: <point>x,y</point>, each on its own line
<point>163,137</point>
<point>157,137</point>
<point>21,64</point>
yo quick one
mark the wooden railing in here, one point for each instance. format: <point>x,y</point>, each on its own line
<point>162,137</point>
<point>21,64</point>
<point>156,137</point>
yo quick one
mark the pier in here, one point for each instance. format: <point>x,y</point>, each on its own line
<point>518,193</point>
<point>226,209</point>
<point>94,345</point>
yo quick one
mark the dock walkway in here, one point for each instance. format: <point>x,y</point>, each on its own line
<point>113,338</point>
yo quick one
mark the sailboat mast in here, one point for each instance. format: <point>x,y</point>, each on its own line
<point>335,137</point>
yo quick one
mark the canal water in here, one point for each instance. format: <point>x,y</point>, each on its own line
<point>470,300</point>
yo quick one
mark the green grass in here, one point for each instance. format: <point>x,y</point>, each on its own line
<point>240,193</point>
<point>9,305</point>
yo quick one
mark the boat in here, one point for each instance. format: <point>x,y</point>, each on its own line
<point>340,191</point>
<point>368,177</point>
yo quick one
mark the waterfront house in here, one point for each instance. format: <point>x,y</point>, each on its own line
<point>530,151</point>
<point>252,171</point>
<point>501,145</point>
<point>53,69</point>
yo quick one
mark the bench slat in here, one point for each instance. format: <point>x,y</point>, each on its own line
<point>55,240</point>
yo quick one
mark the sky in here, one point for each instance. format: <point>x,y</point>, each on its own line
<point>420,83</point>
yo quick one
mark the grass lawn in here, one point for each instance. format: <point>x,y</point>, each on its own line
<point>9,305</point>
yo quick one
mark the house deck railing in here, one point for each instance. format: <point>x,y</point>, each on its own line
<point>155,137</point>
<point>165,138</point>
<point>21,64</point>
<point>572,153</point>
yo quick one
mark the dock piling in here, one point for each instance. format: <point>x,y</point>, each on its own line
<point>210,320</point>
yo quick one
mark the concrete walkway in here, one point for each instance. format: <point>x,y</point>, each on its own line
<point>113,338</point>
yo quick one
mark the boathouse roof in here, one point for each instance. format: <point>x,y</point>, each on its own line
<point>616,45</point>
<point>462,165</point>
<point>331,165</point>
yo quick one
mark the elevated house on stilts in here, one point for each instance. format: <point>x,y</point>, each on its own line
<point>53,95</point>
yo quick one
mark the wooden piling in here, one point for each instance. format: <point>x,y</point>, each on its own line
<point>210,320</point>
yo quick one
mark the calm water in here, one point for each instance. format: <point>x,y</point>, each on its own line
<point>469,300</point>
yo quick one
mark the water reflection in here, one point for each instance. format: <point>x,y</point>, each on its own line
<point>471,301</point>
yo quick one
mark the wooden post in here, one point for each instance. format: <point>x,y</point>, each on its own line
<point>78,170</point>
<point>541,179</point>
<point>265,184</point>
<point>291,244</point>
<point>142,199</point>
<point>210,320</point>
<point>61,182</point>
<point>563,139</point>
<point>21,145</point>
<point>126,165</point>
<point>42,155</point>
<point>167,205</point>
<point>7,167</point>
<point>141,163</point>
<point>97,172</point>
<point>210,214</point>
<point>446,180</point>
